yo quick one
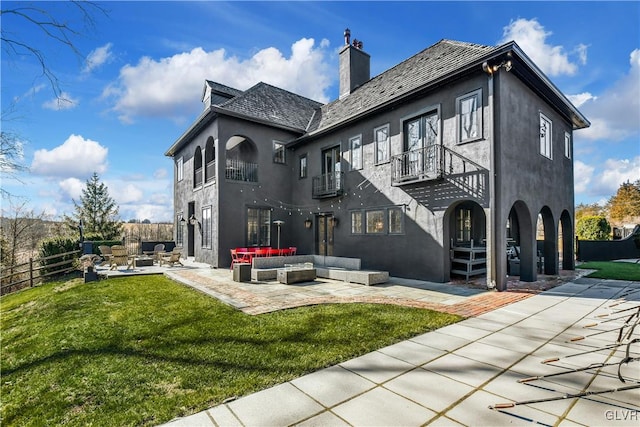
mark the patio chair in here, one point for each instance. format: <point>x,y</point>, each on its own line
<point>120,257</point>
<point>158,250</point>
<point>171,258</point>
<point>236,258</point>
<point>105,252</point>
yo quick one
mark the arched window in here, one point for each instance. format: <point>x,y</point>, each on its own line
<point>210,160</point>
<point>197,168</point>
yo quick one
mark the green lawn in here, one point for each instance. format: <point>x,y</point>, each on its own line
<point>612,270</point>
<point>143,350</point>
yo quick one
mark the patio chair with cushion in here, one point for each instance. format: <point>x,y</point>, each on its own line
<point>120,257</point>
<point>171,258</point>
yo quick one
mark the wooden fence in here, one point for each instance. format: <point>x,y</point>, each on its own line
<point>34,271</point>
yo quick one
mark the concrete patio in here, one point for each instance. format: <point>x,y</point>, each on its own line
<point>469,373</point>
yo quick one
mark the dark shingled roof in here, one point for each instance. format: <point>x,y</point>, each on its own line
<point>430,65</point>
<point>220,88</point>
<point>274,105</point>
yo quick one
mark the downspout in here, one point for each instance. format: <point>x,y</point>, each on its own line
<point>491,235</point>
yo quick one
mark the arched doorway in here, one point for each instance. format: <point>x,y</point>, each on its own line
<point>546,242</point>
<point>521,243</point>
<point>241,159</point>
<point>465,234</point>
<point>566,241</point>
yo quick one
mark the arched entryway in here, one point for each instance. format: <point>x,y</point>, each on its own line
<point>465,227</point>
<point>521,243</point>
<point>565,241</point>
<point>547,242</point>
<point>241,159</point>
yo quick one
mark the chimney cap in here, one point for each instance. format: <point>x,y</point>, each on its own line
<point>347,36</point>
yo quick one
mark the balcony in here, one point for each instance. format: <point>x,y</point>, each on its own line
<point>239,170</point>
<point>417,165</point>
<point>328,185</point>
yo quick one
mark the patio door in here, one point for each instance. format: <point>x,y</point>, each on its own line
<point>324,235</point>
<point>331,168</point>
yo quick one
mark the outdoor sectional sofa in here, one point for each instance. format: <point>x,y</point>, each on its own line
<point>328,267</point>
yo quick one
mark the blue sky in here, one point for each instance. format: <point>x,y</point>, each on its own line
<point>138,87</point>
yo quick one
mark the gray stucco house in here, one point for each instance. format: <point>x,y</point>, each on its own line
<point>429,170</point>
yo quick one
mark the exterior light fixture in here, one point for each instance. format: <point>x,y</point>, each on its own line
<point>307,223</point>
<point>193,220</point>
<point>490,69</point>
<point>335,221</point>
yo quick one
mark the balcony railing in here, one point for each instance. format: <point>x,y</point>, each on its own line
<point>328,185</point>
<point>239,170</point>
<point>417,165</point>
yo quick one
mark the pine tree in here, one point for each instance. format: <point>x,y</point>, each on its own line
<point>625,205</point>
<point>97,211</point>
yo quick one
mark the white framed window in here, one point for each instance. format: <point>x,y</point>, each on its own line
<point>382,146</point>
<point>356,222</point>
<point>395,220</point>
<point>179,230</point>
<point>546,131</point>
<point>302,166</point>
<point>279,153</point>
<point>258,227</point>
<point>355,146</point>
<point>206,227</point>
<point>567,145</point>
<point>469,116</point>
<point>375,221</point>
<point>180,169</point>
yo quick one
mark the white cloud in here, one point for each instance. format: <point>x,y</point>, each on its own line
<point>63,102</point>
<point>160,173</point>
<point>614,114</point>
<point>531,36</point>
<point>125,193</point>
<point>580,98</point>
<point>605,180</point>
<point>71,188</point>
<point>171,87</point>
<point>75,157</point>
<point>98,57</point>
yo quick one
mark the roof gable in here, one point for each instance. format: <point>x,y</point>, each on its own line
<point>274,105</point>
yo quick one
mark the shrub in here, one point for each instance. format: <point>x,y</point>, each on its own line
<point>55,246</point>
<point>593,227</point>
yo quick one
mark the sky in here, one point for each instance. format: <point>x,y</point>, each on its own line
<point>135,81</point>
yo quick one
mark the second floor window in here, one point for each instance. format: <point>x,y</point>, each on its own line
<point>469,116</point>
<point>381,136</point>
<point>545,136</point>
<point>302,172</point>
<point>278,152</point>
<point>355,145</point>
<point>179,169</point>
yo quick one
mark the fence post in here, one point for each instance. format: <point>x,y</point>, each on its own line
<point>31,272</point>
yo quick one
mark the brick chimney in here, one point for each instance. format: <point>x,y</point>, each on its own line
<point>354,65</point>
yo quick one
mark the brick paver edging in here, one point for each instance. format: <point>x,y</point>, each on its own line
<point>254,304</point>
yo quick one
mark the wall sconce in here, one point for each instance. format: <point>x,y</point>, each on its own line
<point>307,223</point>
<point>335,221</point>
<point>193,220</point>
<point>183,221</point>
